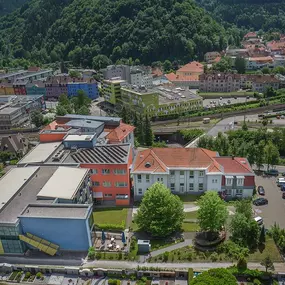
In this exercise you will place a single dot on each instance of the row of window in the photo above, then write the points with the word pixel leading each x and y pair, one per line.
pixel 229 181
pixel 109 184
pixel 191 173
pixel 182 187
pixel 111 195
pixel 108 171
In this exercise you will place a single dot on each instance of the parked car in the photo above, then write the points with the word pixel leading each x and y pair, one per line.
pixel 221 98
pixel 283 195
pixel 282 187
pixel 229 101
pixel 283 173
pixel 259 220
pixel 260 190
pixel 272 172
pixel 260 201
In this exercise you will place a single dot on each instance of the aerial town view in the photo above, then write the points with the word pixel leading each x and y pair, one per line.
pixel 142 142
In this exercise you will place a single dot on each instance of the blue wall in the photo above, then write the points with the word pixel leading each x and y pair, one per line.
pixel 90 89
pixel 34 90
pixel 80 144
pixel 69 234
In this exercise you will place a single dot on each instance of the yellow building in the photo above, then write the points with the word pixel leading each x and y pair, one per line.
pixel 112 90
pixel 192 68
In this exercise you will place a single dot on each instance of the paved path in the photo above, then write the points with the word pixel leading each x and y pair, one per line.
pixel 129 218
pixel 172 247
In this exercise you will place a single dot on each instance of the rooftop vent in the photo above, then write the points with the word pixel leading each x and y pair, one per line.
pixel 147 165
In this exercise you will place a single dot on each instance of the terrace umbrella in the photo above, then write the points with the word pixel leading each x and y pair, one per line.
pixel 103 236
pixel 123 238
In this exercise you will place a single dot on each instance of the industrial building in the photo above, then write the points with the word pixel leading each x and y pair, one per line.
pixel 40 212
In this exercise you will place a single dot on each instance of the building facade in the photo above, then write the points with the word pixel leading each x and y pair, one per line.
pixel 112 90
pixel 219 82
pixel 55 86
pixel 192 171
pixel 36 88
pixel 90 88
pixel 261 82
pixel 192 68
pixel 211 56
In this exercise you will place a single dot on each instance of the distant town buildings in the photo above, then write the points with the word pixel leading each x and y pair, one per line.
pixel 211 56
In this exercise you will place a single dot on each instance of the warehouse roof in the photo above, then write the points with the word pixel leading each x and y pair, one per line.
pixel 84 124
pixel 72 211
pixel 87 138
pixel 13 181
pixel 40 153
pixel 64 183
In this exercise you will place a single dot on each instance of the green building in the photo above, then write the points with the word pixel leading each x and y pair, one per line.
pixel 112 90
pixel 159 101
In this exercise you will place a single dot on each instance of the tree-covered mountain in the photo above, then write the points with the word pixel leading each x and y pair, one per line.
pixel 7 6
pixel 79 30
pixel 267 15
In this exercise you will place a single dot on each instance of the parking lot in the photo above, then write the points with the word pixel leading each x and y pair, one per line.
pixel 232 100
pixel 274 212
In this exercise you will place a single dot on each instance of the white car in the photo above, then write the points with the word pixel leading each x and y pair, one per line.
pixel 259 220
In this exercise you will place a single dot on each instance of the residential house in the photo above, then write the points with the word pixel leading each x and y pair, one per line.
pixel 254 63
pixel 89 87
pixel 16 144
pixel 276 47
pixel 190 81
pixel 219 82
pixel 192 171
pixel 36 88
pixel 250 35
pixel 7 89
pixel 55 86
pixel 192 68
pixel 20 87
pixel 211 56
pixel 261 82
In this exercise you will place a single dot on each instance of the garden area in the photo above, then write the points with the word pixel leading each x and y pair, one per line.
pixel 110 218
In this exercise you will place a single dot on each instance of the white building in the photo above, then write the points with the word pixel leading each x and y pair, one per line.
pixel 192 171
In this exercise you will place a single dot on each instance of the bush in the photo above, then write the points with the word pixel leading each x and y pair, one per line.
pixel 242 264
pixel 190 275
pixel 39 275
pixel 165 256
pixel 120 227
pixel 91 252
pixel 114 282
pixel 256 282
pixel 214 256
pixel 28 275
pixel 98 255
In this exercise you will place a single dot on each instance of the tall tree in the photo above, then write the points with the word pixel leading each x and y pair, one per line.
pixel 148 132
pixel 81 100
pixel 240 65
pixel 160 213
pixel 271 154
pixel 37 118
pixel 213 213
pixel 141 131
pixel 267 263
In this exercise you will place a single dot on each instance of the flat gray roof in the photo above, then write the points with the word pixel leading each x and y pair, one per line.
pixel 6 75
pixel 8 110
pixel 40 153
pixel 83 137
pixel 60 211
pixel 108 154
pixel 64 183
pixel 12 182
pixel 84 124
pixel 28 192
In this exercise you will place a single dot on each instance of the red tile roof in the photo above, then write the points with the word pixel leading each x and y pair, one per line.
pixel 217 59
pixel 175 77
pixel 193 66
pixel 237 165
pixel 262 59
pixel 119 133
pixel 250 35
pixel 157 72
pixel 159 159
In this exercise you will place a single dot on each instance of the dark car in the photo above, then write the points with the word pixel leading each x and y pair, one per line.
pixel 283 174
pixel 260 190
pixel 272 172
pixel 283 195
pixel 282 188
pixel 260 201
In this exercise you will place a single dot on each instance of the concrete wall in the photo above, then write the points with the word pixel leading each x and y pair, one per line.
pixel 69 234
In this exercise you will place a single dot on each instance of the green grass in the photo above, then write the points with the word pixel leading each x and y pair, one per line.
pixel 191 215
pixel 158 244
pixel 112 216
pixel 269 250
pixel 190 198
pixel 190 227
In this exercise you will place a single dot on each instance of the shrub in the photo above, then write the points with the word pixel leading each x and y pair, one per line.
pixel 112 226
pixel 190 275
pixel 256 282
pixel 39 275
pixel 98 255
pixel 91 252
pixel 165 256
pixel 28 275
pixel 214 256
pixel 114 282
pixel 242 264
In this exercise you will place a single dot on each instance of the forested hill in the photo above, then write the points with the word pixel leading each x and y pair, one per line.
pixel 251 14
pixel 7 6
pixel 79 30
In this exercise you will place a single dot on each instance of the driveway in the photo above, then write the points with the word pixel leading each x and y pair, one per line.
pixel 274 212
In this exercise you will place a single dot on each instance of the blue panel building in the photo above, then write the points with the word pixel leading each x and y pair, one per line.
pixel 89 88
pixel 80 141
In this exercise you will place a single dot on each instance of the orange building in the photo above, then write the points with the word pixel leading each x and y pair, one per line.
pixel 192 68
pixel 110 171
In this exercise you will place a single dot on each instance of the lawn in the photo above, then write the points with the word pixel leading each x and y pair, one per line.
pixel 189 198
pixel 191 215
pixel 158 244
pixel 269 250
pixel 110 218
pixel 190 227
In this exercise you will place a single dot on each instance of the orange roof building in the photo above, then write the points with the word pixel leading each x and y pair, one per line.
pixel 192 68
pixel 192 171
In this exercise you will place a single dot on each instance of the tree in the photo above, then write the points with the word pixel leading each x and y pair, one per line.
pixel 61 110
pixel 160 213
pixel 167 66
pixel 100 61
pixel 244 207
pixel 140 131
pixel 240 65
pixel 74 74
pixel 244 126
pixel 148 132
pixel 223 65
pixel 84 110
pixel 270 92
pixel 219 276
pixel 37 118
pixel 260 154
pixel 213 213
pixel 262 237
pixel 265 70
pixel 241 264
pixel 271 154
pixel 63 68
pixel 267 263
pixel 81 100
pixel 125 115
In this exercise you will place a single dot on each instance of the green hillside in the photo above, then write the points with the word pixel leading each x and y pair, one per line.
pixel 7 6
pixel 79 30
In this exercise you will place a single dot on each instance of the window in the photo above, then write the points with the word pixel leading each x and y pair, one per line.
pixel 121 184
pixel 240 181
pixel 106 183
pixel 96 183
pixel 172 186
pixel 172 172
pixel 201 173
pixel 160 179
pixel 139 178
pixel 229 192
pixel 182 187
pixel 191 175
pixel 140 191
pixel 214 180
pixel 201 186
pixel 105 171
pixel 191 186
pixel 94 171
pixel 119 171
pixel 229 181
pixel 147 178
pixel 239 192
pixel 181 173
pixel 107 195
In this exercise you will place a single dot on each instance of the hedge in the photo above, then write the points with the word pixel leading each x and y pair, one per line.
pixel 120 227
pixel 190 275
